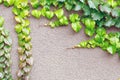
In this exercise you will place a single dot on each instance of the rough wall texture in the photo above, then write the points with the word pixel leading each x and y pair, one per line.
pixel 52 61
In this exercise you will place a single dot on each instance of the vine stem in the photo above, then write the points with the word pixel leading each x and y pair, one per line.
pixel 74 47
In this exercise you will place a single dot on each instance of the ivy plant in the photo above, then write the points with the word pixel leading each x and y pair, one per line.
pixel 96 15
pixel 5 48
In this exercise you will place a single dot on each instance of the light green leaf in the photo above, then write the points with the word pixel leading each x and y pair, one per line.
pixel 101 31
pixel 1 1
pixel 36 13
pixel 35 3
pixel 59 13
pixel 49 14
pixel 18 28
pixel 63 20
pixel 74 17
pixel 26 31
pixel 1 21
pixel 89 32
pixel 76 26
pixel 78 6
pixel 68 6
pixel 8 3
pixel 113 3
pixel 111 49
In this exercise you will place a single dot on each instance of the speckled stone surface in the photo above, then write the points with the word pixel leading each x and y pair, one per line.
pixel 52 59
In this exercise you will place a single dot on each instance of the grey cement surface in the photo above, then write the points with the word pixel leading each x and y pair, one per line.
pixel 52 61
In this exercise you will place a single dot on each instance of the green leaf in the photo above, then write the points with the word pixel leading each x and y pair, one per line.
pixel 21 3
pixel 89 23
pixel 114 40
pixel 8 41
pixel 74 17
pixel 16 11
pixel 100 23
pixel 24 13
pixel 105 8
pixel 59 13
pixel 97 15
pixel 28 46
pixel 54 24
pixel 89 32
pixel 35 3
pixel 21 43
pixel 112 3
pixel 8 3
pixel 49 14
pixel 2 59
pixel 104 45
pixel 43 2
pixel 83 44
pixel 18 28
pixel 1 45
pixel 5 33
pixel 1 39
pixel 90 26
pixel 110 22
pixel 43 11
pixel 1 21
pixel 86 10
pixel 68 6
pixel 19 19
pixel 111 49
pixel 36 13
pixel 101 31
pixel 63 20
pixel 28 39
pixel 1 1
pixel 26 31
pixel 115 12
pixel 25 23
pixel 78 6
pixel 76 26
pixel 99 39
pixel 2 53
pixel 91 4
pixel 7 49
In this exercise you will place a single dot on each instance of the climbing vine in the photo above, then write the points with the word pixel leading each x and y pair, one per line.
pixel 5 48
pixel 21 11
pixel 96 15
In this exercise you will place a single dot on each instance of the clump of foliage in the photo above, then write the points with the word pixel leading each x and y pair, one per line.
pixel 109 42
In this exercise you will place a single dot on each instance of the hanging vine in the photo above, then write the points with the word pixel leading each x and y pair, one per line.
pixel 5 48
pixel 21 11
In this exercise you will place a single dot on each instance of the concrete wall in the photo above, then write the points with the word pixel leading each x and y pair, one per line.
pixel 52 61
